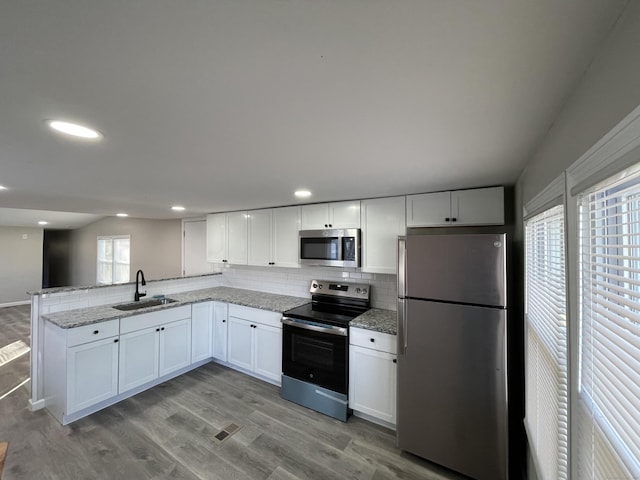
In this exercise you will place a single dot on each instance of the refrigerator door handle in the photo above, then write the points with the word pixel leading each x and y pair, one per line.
pixel 402 327
pixel 401 267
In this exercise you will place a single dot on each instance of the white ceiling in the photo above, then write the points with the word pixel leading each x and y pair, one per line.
pixel 230 104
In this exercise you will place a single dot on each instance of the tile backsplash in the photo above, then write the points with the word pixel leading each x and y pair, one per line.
pixel 296 281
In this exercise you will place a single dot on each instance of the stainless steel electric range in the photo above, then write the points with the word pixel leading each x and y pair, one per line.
pixel 315 347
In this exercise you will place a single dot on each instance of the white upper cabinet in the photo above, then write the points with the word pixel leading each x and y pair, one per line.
pixel 284 235
pixel 227 238
pixel 480 206
pixel 383 220
pixel 273 236
pixel 331 215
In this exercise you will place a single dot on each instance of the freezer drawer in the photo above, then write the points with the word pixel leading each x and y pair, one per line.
pixel 452 391
pixel 456 268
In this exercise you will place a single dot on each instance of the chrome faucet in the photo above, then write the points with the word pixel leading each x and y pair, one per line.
pixel 137 296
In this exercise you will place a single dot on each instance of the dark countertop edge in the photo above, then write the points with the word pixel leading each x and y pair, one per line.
pixel 91 287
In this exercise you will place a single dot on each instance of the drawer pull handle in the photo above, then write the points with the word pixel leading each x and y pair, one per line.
pixel 95 332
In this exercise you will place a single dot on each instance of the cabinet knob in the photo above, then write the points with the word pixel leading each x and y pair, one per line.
pixel 224 261
pixel 95 332
pixel 115 341
pixel 446 220
pixel 330 225
pixel 157 329
pixel 223 321
pixel 372 340
pixel 395 360
pixel 454 219
pixel 162 328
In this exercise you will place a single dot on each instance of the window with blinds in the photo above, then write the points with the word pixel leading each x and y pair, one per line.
pixel 608 404
pixel 113 259
pixel 546 336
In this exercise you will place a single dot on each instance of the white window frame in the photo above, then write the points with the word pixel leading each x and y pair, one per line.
pixel 114 262
pixel 546 333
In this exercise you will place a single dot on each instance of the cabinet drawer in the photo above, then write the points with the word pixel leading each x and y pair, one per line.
pixel 255 315
pixel 151 319
pixel 90 333
pixel 382 342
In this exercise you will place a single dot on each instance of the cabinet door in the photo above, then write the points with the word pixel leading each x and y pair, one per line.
pixel 138 358
pixel 383 220
pixel 92 373
pixel 372 383
pixel 216 237
pixel 237 238
pixel 259 228
pixel 315 217
pixel 201 331
pixel 480 206
pixel 284 245
pixel 175 346
pixel 429 209
pixel 220 331
pixel 268 352
pixel 344 214
pixel 239 343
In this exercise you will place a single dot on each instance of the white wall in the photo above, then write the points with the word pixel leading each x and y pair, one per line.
pixel 155 247
pixel 20 263
pixel 609 90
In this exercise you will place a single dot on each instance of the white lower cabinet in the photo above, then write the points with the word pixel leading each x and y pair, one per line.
pixel 80 366
pixel 201 331
pixel 372 375
pixel 220 327
pixel 92 373
pixel 153 345
pixel 254 342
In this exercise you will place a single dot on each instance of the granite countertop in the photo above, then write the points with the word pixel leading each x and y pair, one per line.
pixel 378 320
pixel 248 298
pixel 91 287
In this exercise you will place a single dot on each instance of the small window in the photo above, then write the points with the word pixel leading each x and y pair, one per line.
pixel 113 259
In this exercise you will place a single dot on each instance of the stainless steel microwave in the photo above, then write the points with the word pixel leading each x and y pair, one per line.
pixel 333 247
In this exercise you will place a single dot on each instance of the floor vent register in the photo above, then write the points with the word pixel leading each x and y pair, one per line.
pixel 226 433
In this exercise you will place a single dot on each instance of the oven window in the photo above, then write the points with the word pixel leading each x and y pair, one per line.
pixel 326 248
pixel 315 357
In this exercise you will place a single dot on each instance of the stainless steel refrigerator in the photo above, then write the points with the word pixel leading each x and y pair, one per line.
pixel 452 372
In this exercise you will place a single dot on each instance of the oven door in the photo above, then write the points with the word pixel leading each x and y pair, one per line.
pixel 316 353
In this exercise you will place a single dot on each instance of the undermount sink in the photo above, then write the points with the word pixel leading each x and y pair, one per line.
pixel 143 304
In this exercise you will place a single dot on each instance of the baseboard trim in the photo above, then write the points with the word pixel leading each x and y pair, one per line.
pixel 37 405
pixel 14 304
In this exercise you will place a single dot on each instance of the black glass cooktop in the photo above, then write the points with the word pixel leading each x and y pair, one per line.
pixel 320 313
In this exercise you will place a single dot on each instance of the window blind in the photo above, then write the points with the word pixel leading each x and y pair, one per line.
pixel 546 355
pixel 608 404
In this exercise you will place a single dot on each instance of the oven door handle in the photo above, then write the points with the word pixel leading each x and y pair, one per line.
pixel 330 329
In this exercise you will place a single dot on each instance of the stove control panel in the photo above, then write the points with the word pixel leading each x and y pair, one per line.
pixel 351 290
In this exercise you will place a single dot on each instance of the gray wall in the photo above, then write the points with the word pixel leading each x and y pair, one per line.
pixel 20 263
pixel 609 90
pixel 156 247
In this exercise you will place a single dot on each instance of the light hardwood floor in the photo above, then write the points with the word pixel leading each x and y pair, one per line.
pixel 168 432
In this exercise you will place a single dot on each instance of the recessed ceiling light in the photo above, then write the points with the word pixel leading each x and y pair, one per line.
pixel 302 193
pixel 74 129
pixel 42 222
pixel 177 208
pixel 122 214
